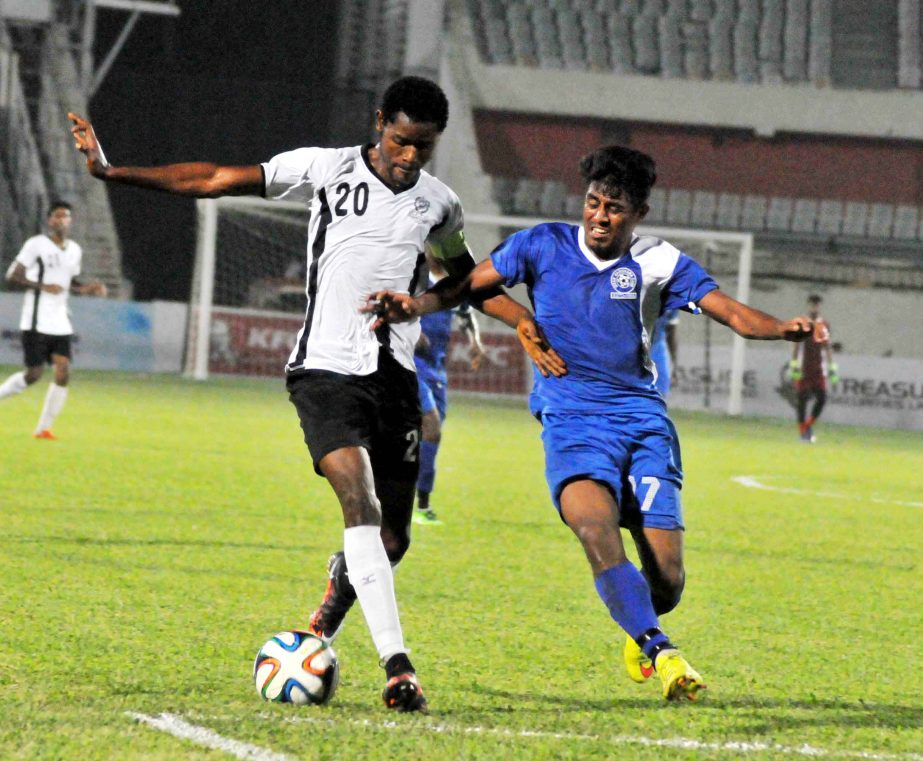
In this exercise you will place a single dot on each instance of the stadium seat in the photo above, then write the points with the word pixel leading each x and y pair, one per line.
pixel 830 217
pixel 594 40
pixel 908 43
pixel 695 43
pixel 779 214
pixel 621 55
pixel 704 206
pixel 753 213
pixel 573 206
pixel 671 46
pixel 795 41
pixel 658 204
pixel 679 206
pixel 881 220
pixel 905 222
pixel 746 66
pixel 503 190
pixel 721 47
pixel 820 42
pixel 855 219
pixel 553 199
pixel 527 196
pixel 728 213
pixel 804 217
pixel 644 36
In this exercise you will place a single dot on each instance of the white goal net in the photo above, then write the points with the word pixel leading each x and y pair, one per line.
pixel 248 303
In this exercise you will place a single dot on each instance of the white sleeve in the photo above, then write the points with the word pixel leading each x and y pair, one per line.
pixel 291 176
pixel 78 262
pixel 447 239
pixel 27 254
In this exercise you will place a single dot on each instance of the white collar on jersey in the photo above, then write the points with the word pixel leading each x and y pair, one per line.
pixel 600 264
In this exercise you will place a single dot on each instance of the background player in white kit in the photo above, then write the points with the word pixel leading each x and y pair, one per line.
pixel 373 211
pixel 47 267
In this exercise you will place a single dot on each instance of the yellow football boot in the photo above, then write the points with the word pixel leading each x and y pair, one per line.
pixel 637 664
pixel 679 679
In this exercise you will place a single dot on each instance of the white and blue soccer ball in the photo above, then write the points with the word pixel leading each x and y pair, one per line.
pixel 296 667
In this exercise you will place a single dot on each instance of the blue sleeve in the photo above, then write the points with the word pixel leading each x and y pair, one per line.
pixel 689 283
pixel 513 258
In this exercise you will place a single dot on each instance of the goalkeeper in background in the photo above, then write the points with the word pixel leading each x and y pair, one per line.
pixel 811 369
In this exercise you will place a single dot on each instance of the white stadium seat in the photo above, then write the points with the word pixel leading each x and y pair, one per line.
pixel 704 206
pixel 753 213
pixel 779 214
pixel 728 214
pixel 679 207
pixel 881 220
pixel 830 217
pixel 804 217
pixel 855 220
pixel 905 222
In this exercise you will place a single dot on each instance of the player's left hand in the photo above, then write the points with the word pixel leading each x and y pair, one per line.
pixel 477 357
pixel 546 359
pixel 389 306
pixel 87 143
pixel 797 329
pixel 97 288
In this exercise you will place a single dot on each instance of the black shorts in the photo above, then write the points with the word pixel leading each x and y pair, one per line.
pixel 380 412
pixel 38 347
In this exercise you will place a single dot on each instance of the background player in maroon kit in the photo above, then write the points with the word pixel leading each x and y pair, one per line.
pixel 812 368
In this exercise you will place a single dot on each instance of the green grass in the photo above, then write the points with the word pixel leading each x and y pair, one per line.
pixel 176 526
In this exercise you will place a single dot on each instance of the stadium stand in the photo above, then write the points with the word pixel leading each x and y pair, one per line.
pixel 750 41
pixel 39 84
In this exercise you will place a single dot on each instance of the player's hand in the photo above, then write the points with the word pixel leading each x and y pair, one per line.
pixel 797 329
pixel 52 288
pixel 86 142
pixel 97 288
pixel 389 306
pixel 477 357
pixel 539 350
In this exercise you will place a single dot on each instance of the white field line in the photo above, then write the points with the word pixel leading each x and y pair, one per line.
pixel 678 743
pixel 174 725
pixel 752 483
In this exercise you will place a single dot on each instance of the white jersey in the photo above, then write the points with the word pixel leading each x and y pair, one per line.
pixel 46 262
pixel 363 236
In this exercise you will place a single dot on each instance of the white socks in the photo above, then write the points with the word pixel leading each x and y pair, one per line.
pixel 15 384
pixel 54 402
pixel 371 576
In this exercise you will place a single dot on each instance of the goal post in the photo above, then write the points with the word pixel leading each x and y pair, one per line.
pixel 726 255
pixel 248 289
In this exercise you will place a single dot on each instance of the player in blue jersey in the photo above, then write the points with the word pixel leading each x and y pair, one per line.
pixel 612 455
pixel 663 349
pixel 429 358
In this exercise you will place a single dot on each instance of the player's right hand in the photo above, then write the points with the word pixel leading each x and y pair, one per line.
pixel 546 359
pixel 87 143
pixel 389 306
pixel 52 288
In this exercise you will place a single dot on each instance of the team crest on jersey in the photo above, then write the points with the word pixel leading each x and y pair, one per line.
pixel 420 207
pixel 623 282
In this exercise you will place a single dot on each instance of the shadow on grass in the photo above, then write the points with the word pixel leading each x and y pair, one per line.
pixel 772 713
pixel 154 542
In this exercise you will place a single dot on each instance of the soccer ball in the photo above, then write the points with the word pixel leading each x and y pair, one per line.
pixel 296 667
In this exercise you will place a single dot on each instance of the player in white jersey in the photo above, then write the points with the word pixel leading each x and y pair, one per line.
pixel 373 211
pixel 47 267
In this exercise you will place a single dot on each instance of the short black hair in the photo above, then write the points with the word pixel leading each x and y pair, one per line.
pixel 814 299
pixel 421 99
pixel 617 168
pixel 58 204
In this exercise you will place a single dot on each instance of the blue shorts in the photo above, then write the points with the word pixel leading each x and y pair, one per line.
pixel 635 454
pixel 432 395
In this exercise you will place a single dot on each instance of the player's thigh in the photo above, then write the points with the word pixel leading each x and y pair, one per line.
pixel 395 446
pixel 36 350
pixel 651 488
pixel 579 447
pixel 335 411
pixel 590 509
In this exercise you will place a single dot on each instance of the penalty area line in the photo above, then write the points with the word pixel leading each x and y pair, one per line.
pixel 751 482
pixel 174 725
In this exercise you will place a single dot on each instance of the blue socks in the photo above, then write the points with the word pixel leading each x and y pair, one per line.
pixel 427 477
pixel 628 597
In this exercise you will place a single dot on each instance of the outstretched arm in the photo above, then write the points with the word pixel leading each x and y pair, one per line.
pixel 197 179
pixel 752 323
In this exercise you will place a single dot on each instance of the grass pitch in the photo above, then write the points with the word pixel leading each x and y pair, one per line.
pixel 175 526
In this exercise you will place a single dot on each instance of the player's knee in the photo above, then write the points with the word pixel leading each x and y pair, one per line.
pixel 32 375
pixel 396 544
pixel 667 593
pixel 360 508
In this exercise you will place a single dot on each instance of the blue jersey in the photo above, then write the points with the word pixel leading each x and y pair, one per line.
pixel 599 315
pixel 437 327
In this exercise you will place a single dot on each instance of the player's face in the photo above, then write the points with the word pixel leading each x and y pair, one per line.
pixel 813 309
pixel 609 221
pixel 404 149
pixel 59 221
